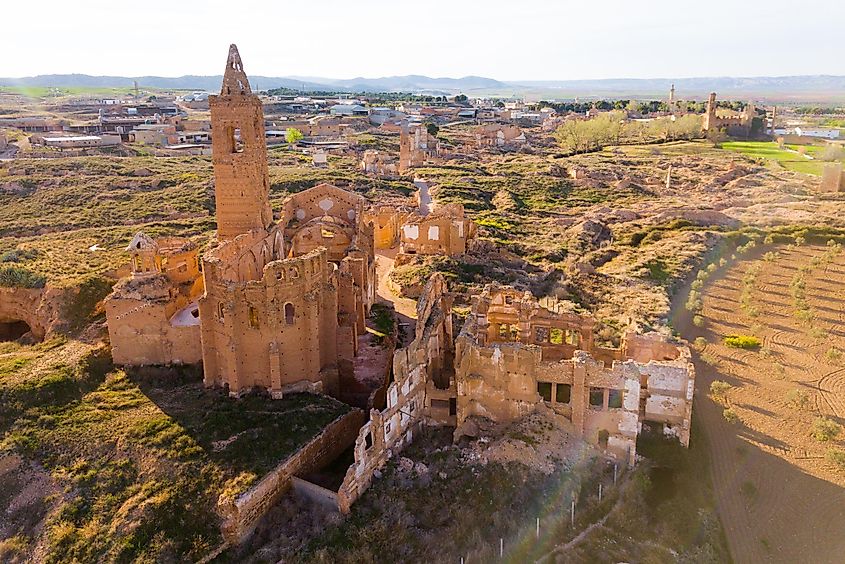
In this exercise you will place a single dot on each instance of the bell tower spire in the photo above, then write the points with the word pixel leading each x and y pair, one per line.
pixel 239 154
pixel 234 79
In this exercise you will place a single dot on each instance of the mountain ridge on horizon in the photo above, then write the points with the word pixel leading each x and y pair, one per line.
pixel 421 84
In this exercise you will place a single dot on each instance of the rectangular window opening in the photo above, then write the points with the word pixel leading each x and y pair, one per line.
pixel 614 399
pixel 596 397
pixel 563 393
pixel 545 390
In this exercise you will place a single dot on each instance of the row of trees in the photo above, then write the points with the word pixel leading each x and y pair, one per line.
pixel 582 136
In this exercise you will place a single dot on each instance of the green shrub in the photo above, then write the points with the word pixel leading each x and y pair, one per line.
pixel 837 458
pixel 698 321
pixel 825 429
pixel 797 398
pixel 748 489
pixel 700 343
pixel 18 255
pixel 17 277
pixel 833 355
pixel 719 389
pixel 730 415
pixel 747 342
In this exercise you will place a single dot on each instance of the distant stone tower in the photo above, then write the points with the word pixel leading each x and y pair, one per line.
pixel 710 115
pixel 239 154
pixel 671 97
pixel 404 148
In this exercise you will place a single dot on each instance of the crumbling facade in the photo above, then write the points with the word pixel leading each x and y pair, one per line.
pixel 739 125
pixel 512 354
pixel 424 229
pixel 416 146
pixel 379 164
pixel 443 231
pixel 496 135
pixel 153 316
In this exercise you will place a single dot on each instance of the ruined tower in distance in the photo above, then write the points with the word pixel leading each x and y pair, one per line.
pixel 239 154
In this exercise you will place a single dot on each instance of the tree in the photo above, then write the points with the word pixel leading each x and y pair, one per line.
pixel 432 129
pixel 461 98
pixel 292 135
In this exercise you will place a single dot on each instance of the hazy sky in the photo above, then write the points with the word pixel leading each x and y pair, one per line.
pixel 525 39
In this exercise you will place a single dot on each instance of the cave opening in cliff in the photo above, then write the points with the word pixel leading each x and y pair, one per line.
pixel 13 330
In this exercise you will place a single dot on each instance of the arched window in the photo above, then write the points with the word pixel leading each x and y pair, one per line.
pixel 289 313
pixel 220 311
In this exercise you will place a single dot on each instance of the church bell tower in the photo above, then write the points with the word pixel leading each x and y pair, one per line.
pixel 239 154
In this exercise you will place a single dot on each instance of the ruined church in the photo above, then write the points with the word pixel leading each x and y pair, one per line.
pixel 279 304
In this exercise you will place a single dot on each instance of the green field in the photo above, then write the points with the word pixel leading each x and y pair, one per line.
pixel 769 150
pixel 61 91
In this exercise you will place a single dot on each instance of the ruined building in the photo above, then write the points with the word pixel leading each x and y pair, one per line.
pixel 419 394
pixel 512 354
pixel 736 125
pixel 416 146
pixel 285 302
pixel 424 229
pixel 445 230
pixel 278 306
pixel 152 316
pixel 379 164
pixel 502 136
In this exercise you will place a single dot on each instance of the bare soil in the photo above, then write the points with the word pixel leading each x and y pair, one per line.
pixel 779 499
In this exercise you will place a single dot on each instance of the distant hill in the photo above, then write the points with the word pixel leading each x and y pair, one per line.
pixel 798 87
pixel 699 86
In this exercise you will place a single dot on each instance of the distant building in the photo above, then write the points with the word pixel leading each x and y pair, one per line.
pixel 348 110
pixel 78 141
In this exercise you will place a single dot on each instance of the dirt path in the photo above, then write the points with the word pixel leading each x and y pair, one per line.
pixel 384 264
pixel 778 498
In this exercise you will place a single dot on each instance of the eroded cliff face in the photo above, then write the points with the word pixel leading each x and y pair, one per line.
pixel 40 309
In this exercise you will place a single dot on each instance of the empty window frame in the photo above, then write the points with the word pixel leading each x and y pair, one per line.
pixel 563 393
pixel 545 390
pixel 596 397
pixel 614 398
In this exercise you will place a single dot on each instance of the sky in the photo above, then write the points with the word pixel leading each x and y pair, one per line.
pixel 505 40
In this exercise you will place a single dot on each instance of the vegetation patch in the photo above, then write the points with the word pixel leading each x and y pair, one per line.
pixel 748 342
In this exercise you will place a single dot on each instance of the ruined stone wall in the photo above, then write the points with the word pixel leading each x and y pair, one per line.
pixel 833 178
pixel 389 430
pixel 242 514
pixel 375 163
pixel 274 332
pixel 152 316
pixel 506 363
pixel 386 221
pixel 496 135
pixel 142 330
pixel 443 233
